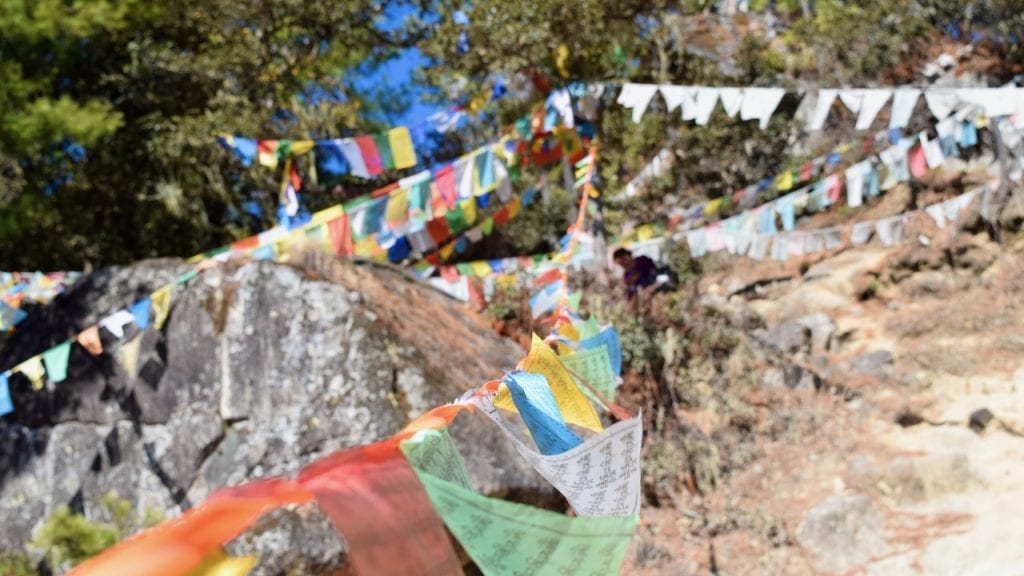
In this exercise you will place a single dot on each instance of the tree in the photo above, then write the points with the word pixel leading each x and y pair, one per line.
pixel 109 112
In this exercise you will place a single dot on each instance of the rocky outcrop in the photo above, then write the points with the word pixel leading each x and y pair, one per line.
pixel 261 369
pixel 842 532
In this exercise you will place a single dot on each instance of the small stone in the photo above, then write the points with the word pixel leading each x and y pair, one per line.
pixel 980 419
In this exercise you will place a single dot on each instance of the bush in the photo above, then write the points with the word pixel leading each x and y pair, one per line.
pixel 15 564
pixel 70 538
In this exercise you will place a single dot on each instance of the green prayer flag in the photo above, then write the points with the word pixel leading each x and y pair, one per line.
pixel 594 366
pixel 487 226
pixel 588 329
pixel 184 278
pixel 523 127
pixel 434 452
pixel 507 538
pixel 56 361
pixel 574 300
pixel 387 160
pixel 456 219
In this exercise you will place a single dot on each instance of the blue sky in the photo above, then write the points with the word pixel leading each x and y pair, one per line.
pixel 395 76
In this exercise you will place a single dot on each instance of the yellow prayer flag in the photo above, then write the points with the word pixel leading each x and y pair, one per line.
pixel 481 268
pixel 220 564
pixel 447 250
pixel 365 247
pixel 712 207
pixel 327 215
pixel 161 303
pixel 574 406
pixel 401 147
pixel 34 370
pixel 302 146
pixel 562 60
pixel 569 331
pixel 397 211
pixel 513 207
pixel 645 232
pixel 130 356
pixel 469 210
pixel 784 181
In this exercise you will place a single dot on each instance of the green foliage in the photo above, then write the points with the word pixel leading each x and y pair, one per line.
pixel 70 538
pixel 144 86
pixel 852 43
pixel 505 303
pixel 538 227
pixel 15 564
pixel 686 268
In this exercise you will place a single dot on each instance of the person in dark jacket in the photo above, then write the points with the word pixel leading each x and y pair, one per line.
pixel 640 271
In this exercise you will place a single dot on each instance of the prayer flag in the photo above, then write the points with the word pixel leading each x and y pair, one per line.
pixel 33 370
pixel 56 361
pixel 368 152
pixel 140 313
pixel 6 406
pixel 383 143
pixel 90 340
pixel 536 404
pixel 401 148
pixel 574 405
pixel 397 211
pixel 161 301
pixel 506 538
pixel 332 158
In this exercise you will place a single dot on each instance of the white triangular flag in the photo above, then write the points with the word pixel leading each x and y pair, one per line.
pixel 116 322
pixel 822 107
pixel 903 102
pixel 732 100
pixel 637 97
pixel 871 104
pixel 760 103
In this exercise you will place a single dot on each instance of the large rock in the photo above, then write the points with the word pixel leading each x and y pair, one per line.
pixel 261 369
pixel 822 328
pixel 789 336
pixel 842 532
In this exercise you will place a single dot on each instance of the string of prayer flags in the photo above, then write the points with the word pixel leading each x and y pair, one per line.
pixel 697 103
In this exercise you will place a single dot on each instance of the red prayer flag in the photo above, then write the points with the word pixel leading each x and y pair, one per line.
pixel 340 235
pixel 446 185
pixel 371 158
pixel 805 171
pixel 501 217
pixel 376 501
pixel 918 162
pixel 553 275
pixel 438 230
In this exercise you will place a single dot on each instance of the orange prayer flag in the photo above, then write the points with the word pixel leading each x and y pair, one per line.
pixel 90 340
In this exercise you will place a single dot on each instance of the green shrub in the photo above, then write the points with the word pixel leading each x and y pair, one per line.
pixel 72 538
pixel 15 564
